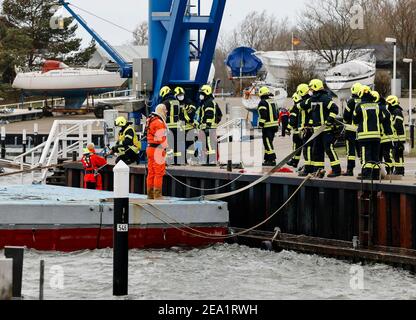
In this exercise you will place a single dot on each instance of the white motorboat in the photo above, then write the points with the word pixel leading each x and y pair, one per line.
pixel 341 78
pixel 277 63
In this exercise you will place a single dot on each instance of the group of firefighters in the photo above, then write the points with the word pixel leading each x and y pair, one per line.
pixel 178 115
pixel 374 130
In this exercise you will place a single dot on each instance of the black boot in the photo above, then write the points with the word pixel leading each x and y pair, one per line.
pixel 293 163
pixel 348 173
pixel 334 174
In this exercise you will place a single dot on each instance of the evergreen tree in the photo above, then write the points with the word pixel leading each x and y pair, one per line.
pixel 32 20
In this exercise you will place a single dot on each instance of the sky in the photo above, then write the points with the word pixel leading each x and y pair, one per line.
pixel 128 13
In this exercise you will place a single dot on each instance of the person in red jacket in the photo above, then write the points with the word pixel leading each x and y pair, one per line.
pixel 92 163
pixel 284 115
pixel 157 131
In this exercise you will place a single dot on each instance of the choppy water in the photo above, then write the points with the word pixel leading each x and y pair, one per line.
pixel 217 272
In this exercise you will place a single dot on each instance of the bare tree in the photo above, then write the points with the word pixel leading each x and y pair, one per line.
pixel 260 31
pixel 141 34
pixel 325 27
pixel 300 71
pixel 400 16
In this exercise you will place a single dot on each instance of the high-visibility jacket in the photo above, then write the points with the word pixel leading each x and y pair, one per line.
pixel 188 114
pixel 173 118
pixel 398 123
pixel 349 112
pixel 304 118
pixel 323 110
pixel 157 131
pixel 208 114
pixel 127 139
pixel 369 119
pixel 294 118
pixel 268 114
pixel 386 130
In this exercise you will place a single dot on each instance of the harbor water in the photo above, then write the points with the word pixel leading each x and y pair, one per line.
pixel 218 272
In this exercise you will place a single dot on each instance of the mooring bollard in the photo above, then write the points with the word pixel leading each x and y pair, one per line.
pixel 24 142
pixel 121 229
pixel 41 279
pixel 3 142
pixel 16 253
pixel 6 279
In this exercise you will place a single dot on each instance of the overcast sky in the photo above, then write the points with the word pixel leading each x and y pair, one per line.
pixel 128 13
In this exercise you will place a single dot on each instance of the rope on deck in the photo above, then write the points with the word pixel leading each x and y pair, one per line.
pixel 200 234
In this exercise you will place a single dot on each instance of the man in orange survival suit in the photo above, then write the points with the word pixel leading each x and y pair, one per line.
pixel 157 131
pixel 92 163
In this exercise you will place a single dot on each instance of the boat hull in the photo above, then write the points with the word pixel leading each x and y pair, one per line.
pixel 72 239
pixel 71 219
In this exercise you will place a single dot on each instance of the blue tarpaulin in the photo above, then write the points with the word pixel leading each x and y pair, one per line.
pixel 243 58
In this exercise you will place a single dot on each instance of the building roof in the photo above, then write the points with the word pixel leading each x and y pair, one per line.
pixel 129 52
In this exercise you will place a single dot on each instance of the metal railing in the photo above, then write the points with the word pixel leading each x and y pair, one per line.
pixel 40 104
pixel 59 144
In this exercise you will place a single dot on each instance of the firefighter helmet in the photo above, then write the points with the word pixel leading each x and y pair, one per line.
pixel 120 122
pixel 302 89
pixel 164 91
pixel 264 91
pixel 179 91
pixel 206 90
pixel 364 90
pixel 296 97
pixel 316 85
pixel 376 96
pixel 356 88
pixel 392 100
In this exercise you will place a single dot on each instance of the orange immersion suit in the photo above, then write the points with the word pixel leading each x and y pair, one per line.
pixel 92 162
pixel 156 152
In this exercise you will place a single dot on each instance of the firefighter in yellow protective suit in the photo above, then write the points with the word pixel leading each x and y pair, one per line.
pixel 210 116
pixel 268 122
pixel 399 134
pixel 175 126
pixel 128 144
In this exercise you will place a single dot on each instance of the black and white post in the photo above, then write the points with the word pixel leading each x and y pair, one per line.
pixel 24 143
pixel 121 229
pixel 3 142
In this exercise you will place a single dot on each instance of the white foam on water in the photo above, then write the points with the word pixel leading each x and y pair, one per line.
pixel 218 272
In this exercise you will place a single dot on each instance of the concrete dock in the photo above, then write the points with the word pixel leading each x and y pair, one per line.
pixel 69 219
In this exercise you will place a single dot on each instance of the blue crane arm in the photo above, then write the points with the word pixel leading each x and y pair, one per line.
pixel 126 69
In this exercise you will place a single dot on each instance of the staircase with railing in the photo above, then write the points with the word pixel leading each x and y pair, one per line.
pixel 65 137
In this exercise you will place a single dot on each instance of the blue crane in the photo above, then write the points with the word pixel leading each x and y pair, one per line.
pixel 126 69
pixel 170 24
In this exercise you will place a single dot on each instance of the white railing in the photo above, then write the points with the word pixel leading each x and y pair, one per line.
pixel 38 104
pixel 236 128
pixel 114 94
pixel 58 143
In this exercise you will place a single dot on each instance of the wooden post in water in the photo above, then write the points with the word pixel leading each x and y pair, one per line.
pixel 6 279
pixel 121 229
pixel 16 253
pixel 41 279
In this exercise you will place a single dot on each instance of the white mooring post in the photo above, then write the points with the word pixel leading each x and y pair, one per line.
pixel 121 229
pixel 6 279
